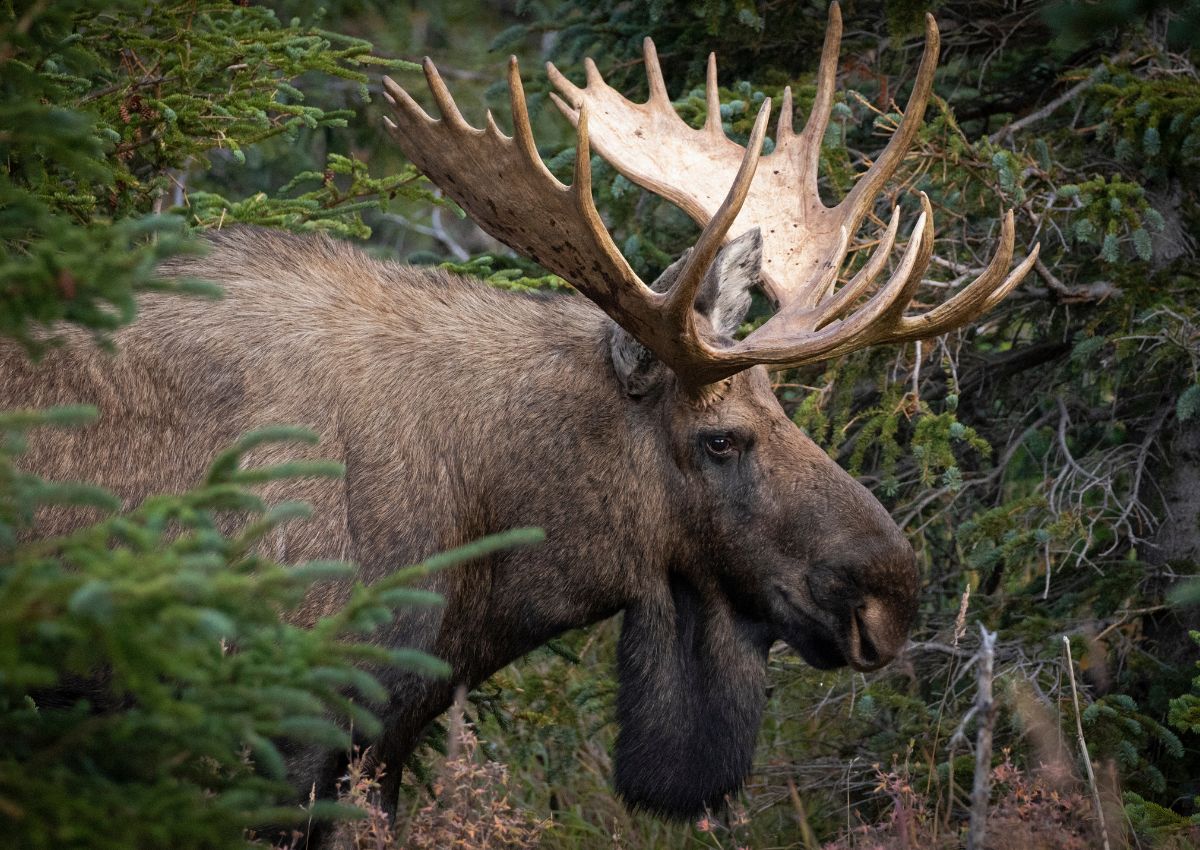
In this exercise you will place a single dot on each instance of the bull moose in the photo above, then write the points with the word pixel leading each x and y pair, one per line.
pixel 632 425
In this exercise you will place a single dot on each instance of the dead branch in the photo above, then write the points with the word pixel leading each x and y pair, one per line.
pixel 1087 759
pixel 1097 291
pixel 985 708
pixel 1046 111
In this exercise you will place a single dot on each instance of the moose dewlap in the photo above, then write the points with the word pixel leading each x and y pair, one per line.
pixel 630 425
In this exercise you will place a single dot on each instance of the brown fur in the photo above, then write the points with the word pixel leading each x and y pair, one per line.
pixel 460 410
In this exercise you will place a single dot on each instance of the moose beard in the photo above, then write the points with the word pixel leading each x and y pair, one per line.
pixel 692 691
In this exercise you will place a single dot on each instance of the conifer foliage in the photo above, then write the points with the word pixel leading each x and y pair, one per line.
pixel 104 111
pixel 148 671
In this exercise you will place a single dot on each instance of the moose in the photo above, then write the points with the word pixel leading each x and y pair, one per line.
pixel 632 424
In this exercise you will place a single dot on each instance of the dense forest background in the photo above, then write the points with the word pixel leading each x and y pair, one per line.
pixel 1045 462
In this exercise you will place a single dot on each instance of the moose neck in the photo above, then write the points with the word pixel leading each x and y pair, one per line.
pixel 466 411
pixel 506 410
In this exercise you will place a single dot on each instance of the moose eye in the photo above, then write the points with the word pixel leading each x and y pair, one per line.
pixel 719 445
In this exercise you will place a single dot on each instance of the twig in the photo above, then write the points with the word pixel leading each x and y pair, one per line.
pixel 1045 112
pixel 147 82
pixel 1125 617
pixel 438 232
pixel 981 790
pixel 806 832
pixel 916 372
pixel 934 646
pixel 442 235
pixel 1064 420
pixel 457 724
pixel 849 767
pixel 1096 291
pixel 1087 759
pixel 1049 567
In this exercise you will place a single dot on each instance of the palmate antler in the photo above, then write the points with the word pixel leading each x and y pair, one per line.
pixel 507 189
pixel 509 192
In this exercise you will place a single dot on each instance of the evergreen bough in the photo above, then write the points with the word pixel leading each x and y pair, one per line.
pixel 150 670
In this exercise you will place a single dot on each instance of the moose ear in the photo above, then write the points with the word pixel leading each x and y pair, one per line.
pixel 724 298
pixel 724 295
pixel 692 690
pixel 638 370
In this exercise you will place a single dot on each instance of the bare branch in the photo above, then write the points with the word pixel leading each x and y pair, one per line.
pixel 1083 748
pixel 985 708
pixel 1097 291
pixel 1046 111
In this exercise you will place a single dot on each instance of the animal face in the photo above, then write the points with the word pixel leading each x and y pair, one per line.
pixel 793 539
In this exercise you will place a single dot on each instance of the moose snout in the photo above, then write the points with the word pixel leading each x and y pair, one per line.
pixel 870 607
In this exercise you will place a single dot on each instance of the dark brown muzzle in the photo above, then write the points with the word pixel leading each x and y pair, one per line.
pixel 869 603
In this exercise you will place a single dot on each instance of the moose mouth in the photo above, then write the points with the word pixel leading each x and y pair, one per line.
pixel 812 639
pixel 823 647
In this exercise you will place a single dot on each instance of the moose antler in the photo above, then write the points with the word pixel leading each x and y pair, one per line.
pixel 508 190
pixel 804 241
pixel 503 183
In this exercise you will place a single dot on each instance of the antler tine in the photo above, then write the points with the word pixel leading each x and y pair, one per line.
pixel 859 198
pixel 401 102
pixel 924 253
pixel 813 133
pixel 895 294
pixel 682 294
pixel 712 97
pixel 862 280
pixel 654 74
pixel 784 133
pixel 1013 279
pixel 581 180
pixel 564 85
pixel 441 95
pixel 863 327
pixel 522 130
pixel 591 72
pixel 568 111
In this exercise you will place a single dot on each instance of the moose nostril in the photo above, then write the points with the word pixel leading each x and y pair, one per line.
pixel 865 654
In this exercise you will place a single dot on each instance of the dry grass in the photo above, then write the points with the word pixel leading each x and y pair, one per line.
pixel 466 808
pixel 469 808
pixel 360 788
pixel 1028 812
